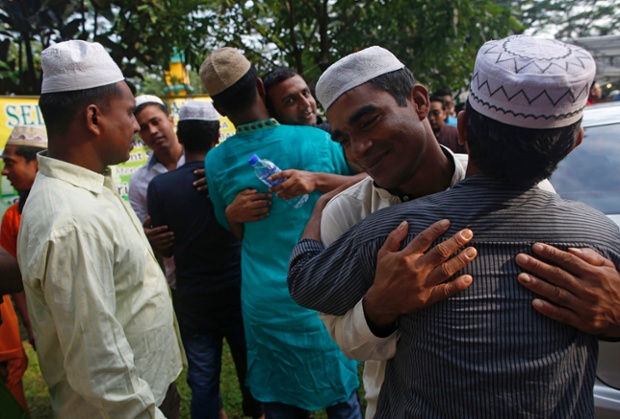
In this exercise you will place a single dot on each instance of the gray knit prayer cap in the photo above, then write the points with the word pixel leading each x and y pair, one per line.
pixel 353 70
pixel 77 65
pixel 531 82
pixel 198 110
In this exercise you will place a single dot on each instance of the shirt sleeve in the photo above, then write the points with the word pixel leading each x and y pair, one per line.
pixel 79 289
pixel 154 207
pixel 331 280
pixel 137 195
pixel 352 334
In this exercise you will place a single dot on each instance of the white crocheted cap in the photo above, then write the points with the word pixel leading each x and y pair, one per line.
pixel 77 65
pixel 198 110
pixel 531 82
pixel 353 70
pixel 144 99
pixel 31 136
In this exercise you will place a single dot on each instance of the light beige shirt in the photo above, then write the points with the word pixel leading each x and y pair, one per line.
pixel 107 339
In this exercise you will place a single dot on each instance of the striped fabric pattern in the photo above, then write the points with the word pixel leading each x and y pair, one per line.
pixel 485 352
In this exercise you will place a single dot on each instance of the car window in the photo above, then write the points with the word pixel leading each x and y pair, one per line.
pixel 591 173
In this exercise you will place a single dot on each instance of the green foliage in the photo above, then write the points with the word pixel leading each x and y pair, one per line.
pixel 570 19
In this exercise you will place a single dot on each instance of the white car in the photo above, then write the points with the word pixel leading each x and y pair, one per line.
pixel 591 174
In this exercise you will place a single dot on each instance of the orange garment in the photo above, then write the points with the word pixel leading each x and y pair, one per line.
pixel 11 348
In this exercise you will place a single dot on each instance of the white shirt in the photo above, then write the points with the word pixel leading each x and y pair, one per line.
pixel 107 339
pixel 351 331
pixel 138 186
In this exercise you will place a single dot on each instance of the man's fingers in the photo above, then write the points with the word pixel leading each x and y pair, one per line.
pixel 448 268
pixel 157 231
pixel 147 222
pixel 591 256
pixel 444 250
pixel 560 314
pixel 549 273
pixel 395 238
pixel 568 261
pixel 447 290
pixel 425 238
pixel 552 293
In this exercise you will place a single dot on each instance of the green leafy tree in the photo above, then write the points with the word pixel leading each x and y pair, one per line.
pixel 570 19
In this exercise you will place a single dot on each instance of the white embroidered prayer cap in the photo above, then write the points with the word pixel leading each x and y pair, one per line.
pixel 77 65
pixel 30 136
pixel 353 70
pixel 531 82
pixel 146 99
pixel 198 110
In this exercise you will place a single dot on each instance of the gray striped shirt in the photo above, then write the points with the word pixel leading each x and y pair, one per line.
pixel 484 352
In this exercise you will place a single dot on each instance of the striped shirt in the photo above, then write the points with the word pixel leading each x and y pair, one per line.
pixel 484 352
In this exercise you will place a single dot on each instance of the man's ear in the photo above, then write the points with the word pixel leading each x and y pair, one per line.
pixel 94 119
pixel 260 88
pixel 419 97
pixel 461 127
pixel 218 109
pixel 579 139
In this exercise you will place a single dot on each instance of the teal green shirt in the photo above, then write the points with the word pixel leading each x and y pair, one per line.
pixel 291 357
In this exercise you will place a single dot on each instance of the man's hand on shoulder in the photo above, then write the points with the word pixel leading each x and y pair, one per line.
pixel 411 279
pixel 580 288
pixel 248 206
pixel 201 183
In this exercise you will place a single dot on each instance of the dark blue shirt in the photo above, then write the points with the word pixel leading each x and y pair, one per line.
pixel 207 256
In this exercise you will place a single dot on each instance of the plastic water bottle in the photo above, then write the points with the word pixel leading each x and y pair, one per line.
pixel 265 168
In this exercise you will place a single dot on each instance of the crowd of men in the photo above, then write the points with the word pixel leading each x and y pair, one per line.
pixel 434 251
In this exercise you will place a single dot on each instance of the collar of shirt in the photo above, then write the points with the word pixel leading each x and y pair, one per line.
pixel 73 174
pixel 257 125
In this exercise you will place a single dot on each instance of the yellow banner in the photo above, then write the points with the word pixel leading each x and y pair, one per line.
pixel 24 110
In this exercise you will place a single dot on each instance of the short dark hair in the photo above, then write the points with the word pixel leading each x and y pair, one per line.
pixel 443 92
pixel 397 83
pixel 164 107
pixel 520 155
pixel 60 108
pixel 240 96
pixel 29 153
pixel 435 98
pixel 273 78
pixel 198 136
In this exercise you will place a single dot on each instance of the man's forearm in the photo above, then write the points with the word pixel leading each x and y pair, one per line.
pixel 10 277
pixel 326 182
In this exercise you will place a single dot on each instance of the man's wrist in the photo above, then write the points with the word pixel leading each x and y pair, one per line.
pixel 380 324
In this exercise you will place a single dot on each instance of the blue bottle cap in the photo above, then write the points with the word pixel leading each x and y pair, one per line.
pixel 253 159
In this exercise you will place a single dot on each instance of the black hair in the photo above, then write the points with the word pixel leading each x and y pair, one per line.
pixel 164 107
pixel 443 92
pixel 240 96
pixel 519 155
pixel 29 153
pixel 60 108
pixel 198 136
pixel 273 78
pixel 439 99
pixel 397 83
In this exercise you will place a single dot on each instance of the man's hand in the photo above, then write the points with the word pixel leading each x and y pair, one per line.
pixel 298 182
pixel 160 238
pixel 248 206
pixel 583 290
pixel 201 183
pixel 411 279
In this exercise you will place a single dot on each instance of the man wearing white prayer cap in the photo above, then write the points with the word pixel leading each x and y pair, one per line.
pixel 208 266
pixel 453 340
pixel 100 307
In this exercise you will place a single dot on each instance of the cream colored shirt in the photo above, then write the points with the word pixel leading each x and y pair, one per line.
pixel 107 339
pixel 351 331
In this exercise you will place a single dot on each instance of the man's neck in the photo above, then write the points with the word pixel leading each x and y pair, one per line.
pixel 170 157
pixel 253 114
pixel 190 157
